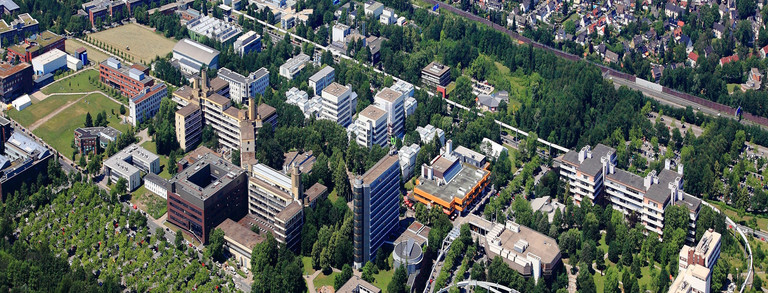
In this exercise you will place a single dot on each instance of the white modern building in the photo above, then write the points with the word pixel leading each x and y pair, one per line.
pixel 293 66
pixel 388 17
pixel 310 107
pixel 248 42
pixel 373 8
pixel 49 62
pixel 371 127
pixel 339 103
pixel 428 133
pixel 214 29
pixel 129 163
pixel 157 185
pixel 145 105
pixel 321 79
pixel 22 102
pixel 410 106
pixel 404 87
pixel 339 33
pixel 242 88
pixel 696 265
pixel 73 63
pixel 392 102
pixel 407 156
pixel 192 56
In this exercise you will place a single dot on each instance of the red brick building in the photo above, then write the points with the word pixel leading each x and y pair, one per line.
pixel 36 45
pixel 129 80
pixel 15 80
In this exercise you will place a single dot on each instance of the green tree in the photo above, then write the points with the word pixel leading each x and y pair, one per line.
pixel 122 109
pixel 179 240
pixel 368 272
pixel 215 248
pixel 462 93
pixel 399 280
pixel 88 120
pixel 611 281
pixel 236 157
pixel 340 279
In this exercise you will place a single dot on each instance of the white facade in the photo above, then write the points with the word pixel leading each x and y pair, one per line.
pixel 338 101
pixel 49 62
pixel 407 156
pixel 146 104
pixel 321 79
pixel 293 66
pixel 214 28
pixel 339 33
pixel 410 106
pixel 242 88
pixel 310 107
pixel 21 102
pixel 371 127
pixel 404 87
pixel 129 163
pixel 248 42
pixel 373 8
pixel 392 102
pixel 73 63
pixel 428 133
pixel 388 16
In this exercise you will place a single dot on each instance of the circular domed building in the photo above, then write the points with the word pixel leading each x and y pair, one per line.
pixel 409 254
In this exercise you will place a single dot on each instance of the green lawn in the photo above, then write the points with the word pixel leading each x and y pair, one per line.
pixel 149 202
pixel 152 147
pixel 732 87
pixel 382 279
pixel 59 130
pixel 76 84
pixel 307 261
pixel 333 195
pixel 323 280
pixel 41 109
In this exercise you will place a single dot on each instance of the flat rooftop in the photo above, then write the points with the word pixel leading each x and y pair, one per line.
pixel 539 244
pixel 240 234
pixel 335 89
pixel 372 112
pixel 467 178
pixel 205 177
pixel 389 95
pixel 374 172
pixel 591 165
pixel 436 69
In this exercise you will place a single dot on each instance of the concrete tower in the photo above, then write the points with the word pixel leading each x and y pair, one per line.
pixel 358 194
pixel 296 188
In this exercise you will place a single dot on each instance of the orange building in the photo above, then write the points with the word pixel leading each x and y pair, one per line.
pixel 449 183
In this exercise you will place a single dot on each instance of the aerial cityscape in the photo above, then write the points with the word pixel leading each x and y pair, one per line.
pixel 547 146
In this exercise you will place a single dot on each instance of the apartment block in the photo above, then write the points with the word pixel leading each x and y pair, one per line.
pixel 392 102
pixel 371 127
pixel 407 156
pixel 338 104
pixel 293 66
pixel 242 88
pixel 247 43
pixel 376 205
pixel 15 80
pixel 277 201
pixel 205 194
pixel 583 171
pixel 646 197
pixel 436 74
pixel 321 79
pixel 129 163
pixel 696 265
pixel 145 105
pixel 35 45
pixel 189 126
pixel 130 81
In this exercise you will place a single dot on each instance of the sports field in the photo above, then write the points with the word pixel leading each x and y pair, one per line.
pixel 139 42
pixel 59 130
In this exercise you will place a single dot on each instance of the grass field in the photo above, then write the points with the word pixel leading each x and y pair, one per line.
pixel 149 202
pixel 732 87
pixel 152 147
pixel 307 261
pixel 59 130
pixel 94 56
pixel 40 109
pixel 382 279
pixel 76 84
pixel 323 280
pixel 143 44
